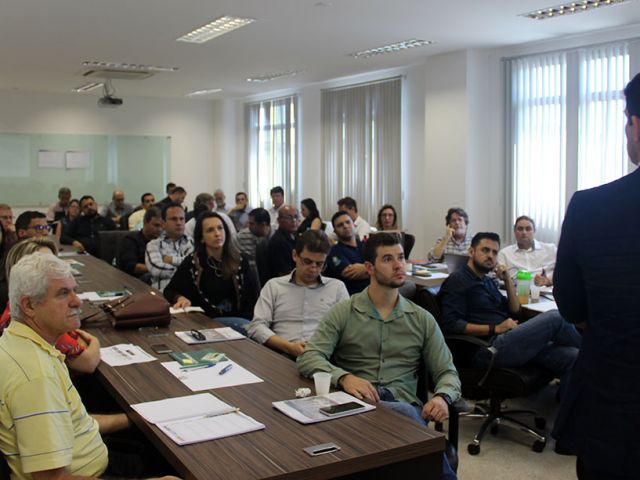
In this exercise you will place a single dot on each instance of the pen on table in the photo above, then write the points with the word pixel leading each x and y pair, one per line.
pixel 225 369
pixel 196 367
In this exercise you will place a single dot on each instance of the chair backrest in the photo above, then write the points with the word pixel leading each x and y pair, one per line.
pixel 108 242
pixel 4 468
pixel 429 302
pixel 409 242
pixel 262 262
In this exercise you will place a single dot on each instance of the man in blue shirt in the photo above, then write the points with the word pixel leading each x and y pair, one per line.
pixel 345 261
pixel 472 305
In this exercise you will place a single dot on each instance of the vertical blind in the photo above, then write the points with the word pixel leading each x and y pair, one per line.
pixel 361 146
pixel 566 127
pixel 272 150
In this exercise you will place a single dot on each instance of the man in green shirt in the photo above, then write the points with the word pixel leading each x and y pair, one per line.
pixel 377 340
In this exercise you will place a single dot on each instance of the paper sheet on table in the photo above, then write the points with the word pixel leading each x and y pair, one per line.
pixel 542 306
pixel 95 297
pixel 124 354
pixel 209 378
pixel 174 311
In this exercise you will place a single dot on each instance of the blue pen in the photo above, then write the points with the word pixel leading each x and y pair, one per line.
pixel 225 369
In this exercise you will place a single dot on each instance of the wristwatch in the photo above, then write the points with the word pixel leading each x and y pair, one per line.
pixel 445 397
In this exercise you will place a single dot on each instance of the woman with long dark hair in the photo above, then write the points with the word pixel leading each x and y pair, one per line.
pixel 387 220
pixel 215 276
pixel 312 220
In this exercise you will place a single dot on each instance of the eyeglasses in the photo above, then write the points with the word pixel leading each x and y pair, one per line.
pixel 290 218
pixel 197 335
pixel 39 228
pixel 307 262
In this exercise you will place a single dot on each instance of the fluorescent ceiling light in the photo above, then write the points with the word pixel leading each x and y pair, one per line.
pixel 391 48
pixel 87 87
pixel 128 66
pixel 214 29
pixel 203 92
pixel 569 8
pixel 272 76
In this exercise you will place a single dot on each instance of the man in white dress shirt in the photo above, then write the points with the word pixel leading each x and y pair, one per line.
pixel 349 206
pixel 529 254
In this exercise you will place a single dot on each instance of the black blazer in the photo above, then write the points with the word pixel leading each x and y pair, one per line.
pixel 597 281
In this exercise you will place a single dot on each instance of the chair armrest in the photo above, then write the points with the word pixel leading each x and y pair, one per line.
pixel 481 344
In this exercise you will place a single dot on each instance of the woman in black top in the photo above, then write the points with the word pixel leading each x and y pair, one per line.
pixel 215 276
pixel 312 220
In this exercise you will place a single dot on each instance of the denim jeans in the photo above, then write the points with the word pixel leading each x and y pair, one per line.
pixel 414 412
pixel 239 324
pixel 546 340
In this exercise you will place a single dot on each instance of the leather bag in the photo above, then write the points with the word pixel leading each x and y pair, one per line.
pixel 144 309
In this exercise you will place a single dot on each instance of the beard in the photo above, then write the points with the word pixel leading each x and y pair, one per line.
pixel 481 267
pixel 391 283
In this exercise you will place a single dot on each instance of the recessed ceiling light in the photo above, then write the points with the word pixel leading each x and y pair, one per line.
pixel 87 87
pixel 391 48
pixel 214 29
pixel 569 8
pixel 128 66
pixel 272 76
pixel 203 92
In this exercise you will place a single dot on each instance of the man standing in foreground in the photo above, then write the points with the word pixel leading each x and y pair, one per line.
pixel 45 431
pixel 596 278
pixel 378 339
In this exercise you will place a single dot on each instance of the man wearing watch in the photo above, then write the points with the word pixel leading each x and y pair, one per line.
pixel 472 305
pixel 377 340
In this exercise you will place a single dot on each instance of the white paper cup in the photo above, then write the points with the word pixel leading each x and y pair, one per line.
pixel 322 381
pixel 535 292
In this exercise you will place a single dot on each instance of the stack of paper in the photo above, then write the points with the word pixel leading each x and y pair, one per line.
pixel 196 418
pixel 198 379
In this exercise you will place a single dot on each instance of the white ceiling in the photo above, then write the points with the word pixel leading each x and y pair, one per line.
pixel 44 42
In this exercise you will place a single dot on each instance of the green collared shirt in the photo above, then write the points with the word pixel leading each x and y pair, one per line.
pixel 385 352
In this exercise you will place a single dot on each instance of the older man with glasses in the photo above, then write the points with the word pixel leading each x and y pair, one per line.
pixel 290 307
pixel 282 242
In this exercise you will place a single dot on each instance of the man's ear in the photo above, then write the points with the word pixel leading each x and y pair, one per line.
pixel 368 266
pixel 634 128
pixel 294 255
pixel 26 305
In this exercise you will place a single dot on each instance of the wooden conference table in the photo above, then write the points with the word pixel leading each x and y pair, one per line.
pixel 379 444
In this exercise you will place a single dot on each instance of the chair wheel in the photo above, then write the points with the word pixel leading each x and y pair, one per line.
pixel 494 430
pixel 538 446
pixel 473 449
pixel 540 422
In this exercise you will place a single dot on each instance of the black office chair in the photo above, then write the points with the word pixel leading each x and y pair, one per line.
pixel 495 384
pixel 108 243
pixel 262 262
pixel 408 241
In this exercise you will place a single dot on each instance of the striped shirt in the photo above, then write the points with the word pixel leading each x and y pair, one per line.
pixel 158 248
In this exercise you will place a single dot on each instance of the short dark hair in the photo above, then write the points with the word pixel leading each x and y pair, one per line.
pixel 202 199
pixel 145 195
pixel 151 213
pixel 337 215
pixel 241 193
pixel 24 219
pixel 178 190
pixel 314 241
pixel 168 206
pixel 260 215
pixel 375 240
pixel 276 190
pixel 460 212
pixel 527 218
pixel 484 236
pixel 86 197
pixel 349 203
pixel 169 188
pixel 632 95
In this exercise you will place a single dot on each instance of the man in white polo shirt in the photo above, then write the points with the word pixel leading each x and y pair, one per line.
pixel 291 306
pixel 528 253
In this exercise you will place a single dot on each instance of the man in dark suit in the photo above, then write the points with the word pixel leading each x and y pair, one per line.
pixel 596 279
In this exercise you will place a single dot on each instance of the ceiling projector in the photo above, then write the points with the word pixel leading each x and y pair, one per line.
pixel 109 101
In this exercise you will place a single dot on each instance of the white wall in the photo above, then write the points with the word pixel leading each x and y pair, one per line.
pixel 190 124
